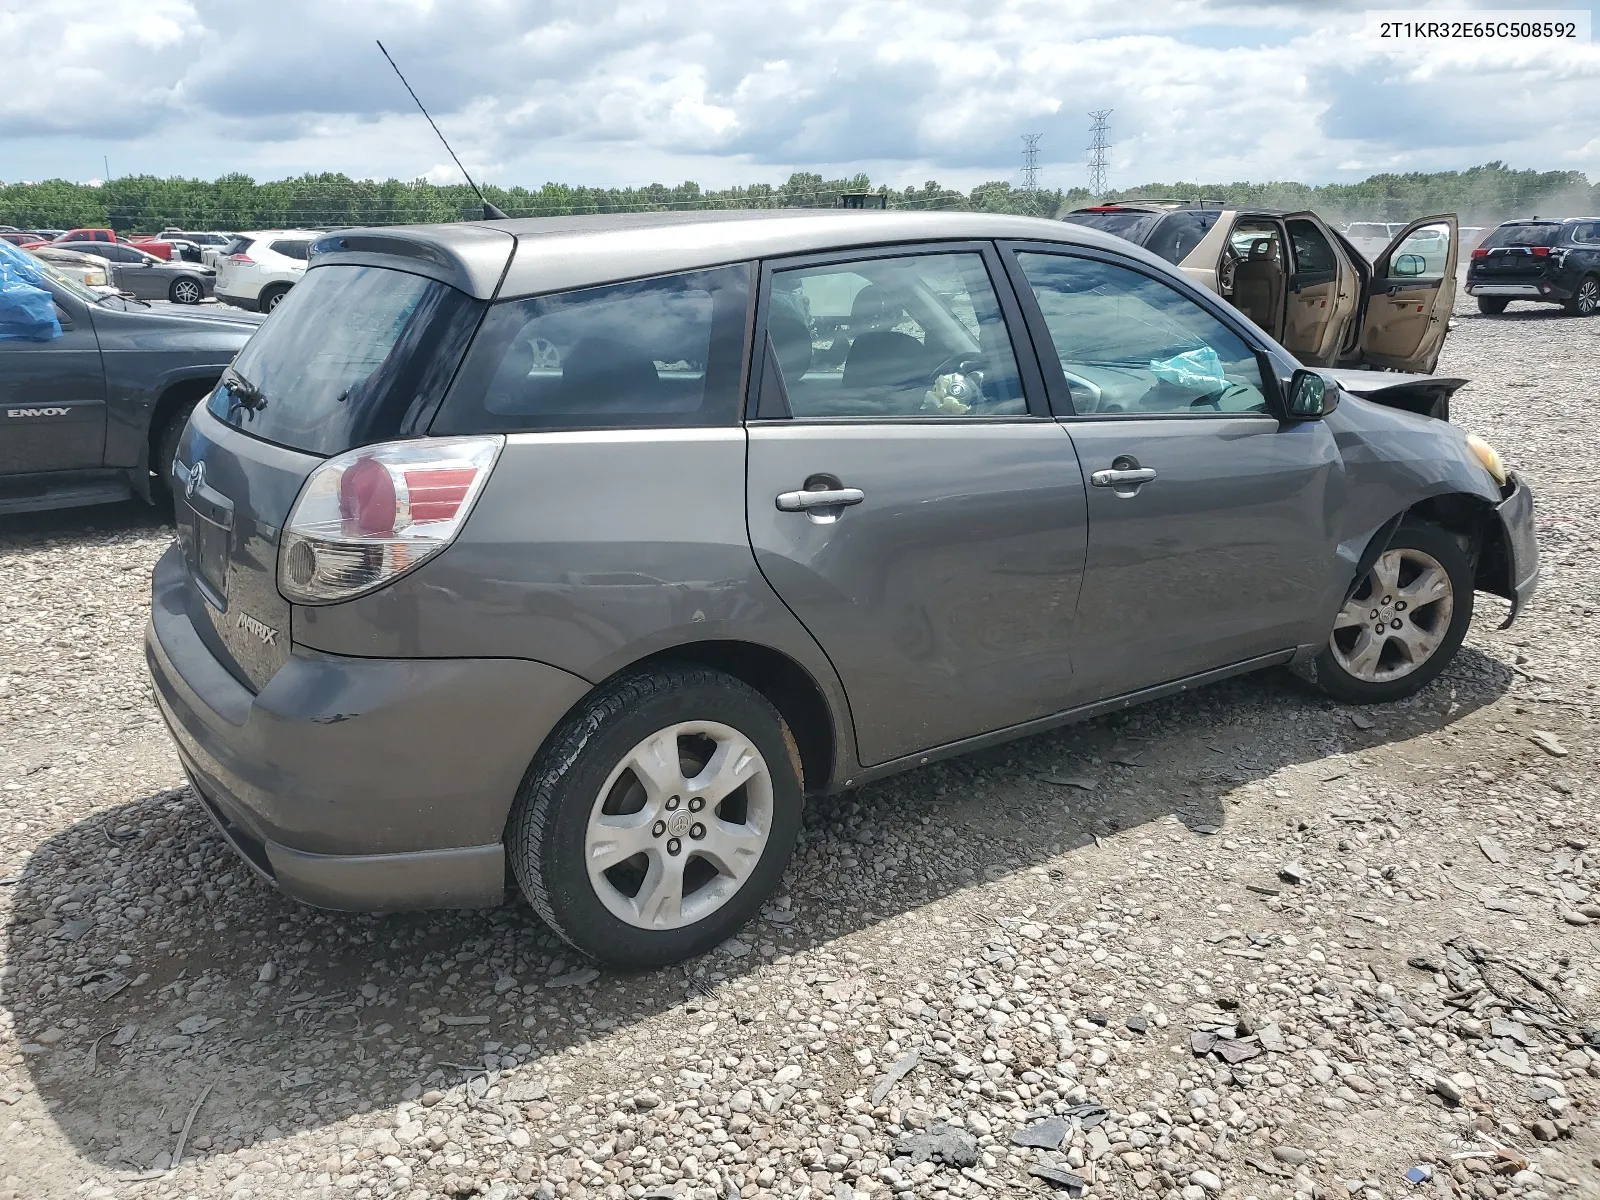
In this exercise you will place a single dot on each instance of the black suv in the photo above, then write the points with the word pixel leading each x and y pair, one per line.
pixel 1549 262
pixel 96 388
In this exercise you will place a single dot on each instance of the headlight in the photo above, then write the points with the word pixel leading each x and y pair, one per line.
pixel 1488 456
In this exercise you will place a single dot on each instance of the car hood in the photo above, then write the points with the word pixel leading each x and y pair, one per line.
pixel 204 318
pixel 1426 395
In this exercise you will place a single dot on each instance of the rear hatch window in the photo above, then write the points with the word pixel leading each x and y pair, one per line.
pixel 1130 223
pixel 1523 235
pixel 353 355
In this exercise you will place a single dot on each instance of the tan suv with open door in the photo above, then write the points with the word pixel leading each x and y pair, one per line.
pixel 1303 282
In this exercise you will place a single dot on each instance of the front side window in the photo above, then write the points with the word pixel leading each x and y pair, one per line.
pixel 1424 254
pixel 917 336
pixel 658 352
pixel 1131 345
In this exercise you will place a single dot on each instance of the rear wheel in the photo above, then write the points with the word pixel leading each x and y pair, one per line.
pixel 1492 306
pixel 186 291
pixel 272 296
pixel 1404 623
pixel 1585 302
pixel 658 817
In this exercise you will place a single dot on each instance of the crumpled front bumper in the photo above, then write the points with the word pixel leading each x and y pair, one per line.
pixel 1515 514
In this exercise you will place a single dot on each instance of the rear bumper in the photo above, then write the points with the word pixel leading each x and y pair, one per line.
pixel 1544 290
pixel 237 298
pixel 1515 514
pixel 355 783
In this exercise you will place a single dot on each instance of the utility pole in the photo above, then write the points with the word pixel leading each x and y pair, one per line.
pixel 1099 152
pixel 1030 162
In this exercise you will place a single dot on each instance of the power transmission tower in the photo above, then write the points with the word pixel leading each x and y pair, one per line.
pixel 1099 152
pixel 1030 162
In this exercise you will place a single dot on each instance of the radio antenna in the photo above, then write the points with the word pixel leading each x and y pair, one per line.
pixel 490 212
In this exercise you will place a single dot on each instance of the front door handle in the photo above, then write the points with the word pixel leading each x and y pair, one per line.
pixel 1122 477
pixel 824 498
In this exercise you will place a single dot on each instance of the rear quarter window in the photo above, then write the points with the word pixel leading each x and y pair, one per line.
pixel 652 353
pixel 297 248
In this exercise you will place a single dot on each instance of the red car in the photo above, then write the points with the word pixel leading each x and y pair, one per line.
pixel 74 238
pixel 25 240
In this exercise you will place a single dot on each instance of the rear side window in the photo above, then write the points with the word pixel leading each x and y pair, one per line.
pixel 658 352
pixel 1312 254
pixel 1586 232
pixel 297 248
pixel 1523 235
pixel 1180 232
pixel 353 355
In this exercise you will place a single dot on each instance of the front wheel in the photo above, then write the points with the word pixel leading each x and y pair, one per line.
pixel 1585 302
pixel 1492 306
pixel 1404 623
pixel 658 817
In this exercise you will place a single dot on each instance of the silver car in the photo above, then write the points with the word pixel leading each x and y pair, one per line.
pixel 147 277
pixel 587 548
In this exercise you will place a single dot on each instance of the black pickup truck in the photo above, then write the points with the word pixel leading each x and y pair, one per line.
pixel 1548 262
pixel 91 406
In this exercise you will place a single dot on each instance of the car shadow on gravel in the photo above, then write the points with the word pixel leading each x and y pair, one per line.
pixel 147 965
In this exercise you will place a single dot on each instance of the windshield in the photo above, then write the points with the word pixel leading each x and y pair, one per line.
pixel 352 355
pixel 1546 234
pixel 1129 223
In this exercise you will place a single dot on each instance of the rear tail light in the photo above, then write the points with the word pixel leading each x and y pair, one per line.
pixel 1480 253
pixel 367 517
pixel 240 258
pixel 1541 251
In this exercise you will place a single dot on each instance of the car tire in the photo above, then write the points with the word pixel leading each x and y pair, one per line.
pixel 165 451
pixel 605 783
pixel 271 297
pixel 1492 306
pixel 1585 301
pixel 1420 636
pixel 186 290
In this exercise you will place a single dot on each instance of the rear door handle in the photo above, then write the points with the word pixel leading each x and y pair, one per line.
pixel 1122 478
pixel 826 498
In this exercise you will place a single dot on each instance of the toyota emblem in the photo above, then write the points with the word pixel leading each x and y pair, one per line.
pixel 197 476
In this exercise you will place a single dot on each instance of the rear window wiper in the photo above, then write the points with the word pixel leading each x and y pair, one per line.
pixel 242 394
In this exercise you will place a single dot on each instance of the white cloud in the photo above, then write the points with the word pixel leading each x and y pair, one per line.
pixel 626 91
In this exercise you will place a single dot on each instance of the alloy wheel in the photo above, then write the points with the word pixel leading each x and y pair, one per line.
pixel 186 291
pixel 1588 297
pixel 1396 620
pixel 679 825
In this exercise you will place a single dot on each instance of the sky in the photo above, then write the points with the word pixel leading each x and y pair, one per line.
pixel 617 92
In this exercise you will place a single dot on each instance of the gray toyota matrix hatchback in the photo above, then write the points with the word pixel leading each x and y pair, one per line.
pixel 587 547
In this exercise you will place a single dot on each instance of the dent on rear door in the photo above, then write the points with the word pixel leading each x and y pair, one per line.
pixel 587 551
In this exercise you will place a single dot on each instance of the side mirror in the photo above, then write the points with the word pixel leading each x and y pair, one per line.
pixel 1409 266
pixel 1311 396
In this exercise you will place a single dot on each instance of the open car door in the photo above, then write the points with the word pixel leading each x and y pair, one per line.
pixel 1409 300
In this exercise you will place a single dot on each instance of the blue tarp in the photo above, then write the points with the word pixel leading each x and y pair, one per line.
pixel 27 309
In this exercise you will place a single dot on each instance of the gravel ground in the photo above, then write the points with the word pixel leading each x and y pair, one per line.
pixel 1239 943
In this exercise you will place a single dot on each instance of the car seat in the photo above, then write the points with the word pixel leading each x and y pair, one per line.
pixel 1258 285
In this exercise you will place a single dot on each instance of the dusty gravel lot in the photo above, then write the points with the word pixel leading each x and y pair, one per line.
pixel 1241 943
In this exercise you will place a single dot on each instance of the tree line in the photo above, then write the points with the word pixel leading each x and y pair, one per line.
pixel 146 203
